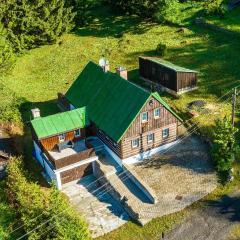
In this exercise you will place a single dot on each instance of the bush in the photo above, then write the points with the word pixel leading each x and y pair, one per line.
pixel 168 11
pixel 215 7
pixel 45 210
pixel 161 49
pixel 225 147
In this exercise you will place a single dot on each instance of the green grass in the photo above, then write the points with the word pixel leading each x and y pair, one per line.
pixel 230 21
pixel 41 73
pixel 7 215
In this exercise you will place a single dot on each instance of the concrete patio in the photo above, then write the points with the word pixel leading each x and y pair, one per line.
pixel 100 210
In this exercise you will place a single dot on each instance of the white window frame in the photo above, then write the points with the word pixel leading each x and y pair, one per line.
pixel 151 140
pixel 77 134
pixel 157 116
pixel 164 135
pixel 133 143
pixel 61 137
pixel 144 120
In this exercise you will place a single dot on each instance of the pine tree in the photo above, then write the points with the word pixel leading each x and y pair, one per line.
pixel 31 23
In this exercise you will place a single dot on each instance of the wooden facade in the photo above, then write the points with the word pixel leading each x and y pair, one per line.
pixel 168 78
pixel 139 130
pixel 50 142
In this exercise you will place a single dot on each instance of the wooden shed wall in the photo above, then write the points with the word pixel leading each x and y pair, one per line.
pixel 186 80
pixel 51 142
pixel 166 77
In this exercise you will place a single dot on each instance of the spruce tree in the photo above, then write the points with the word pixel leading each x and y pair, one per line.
pixel 31 23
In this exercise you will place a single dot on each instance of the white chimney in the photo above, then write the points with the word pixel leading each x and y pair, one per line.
pixel 104 64
pixel 122 71
pixel 36 113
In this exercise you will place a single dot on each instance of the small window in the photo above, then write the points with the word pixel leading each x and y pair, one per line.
pixel 100 131
pixel 165 132
pixel 157 113
pixel 107 138
pixel 150 137
pixel 77 133
pixel 144 117
pixel 135 143
pixel 114 144
pixel 61 137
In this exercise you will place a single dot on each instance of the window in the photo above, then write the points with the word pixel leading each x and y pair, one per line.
pixel 61 137
pixel 165 132
pixel 150 137
pixel 77 133
pixel 107 138
pixel 135 143
pixel 157 113
pixel 144 117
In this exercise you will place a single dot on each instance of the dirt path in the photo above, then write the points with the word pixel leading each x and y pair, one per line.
pixel 211 223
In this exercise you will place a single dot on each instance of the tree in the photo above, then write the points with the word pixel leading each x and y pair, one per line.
pixel 31 23
pixel 214 7
pixel 168 11
pixel 6 51
pixel 46 211
pixel 143 8
pixel 224 145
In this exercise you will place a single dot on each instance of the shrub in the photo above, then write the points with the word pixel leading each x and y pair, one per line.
pixel 47 211
pixel 168 11
pixel 161 49
pixel 225 147
pixel 215 7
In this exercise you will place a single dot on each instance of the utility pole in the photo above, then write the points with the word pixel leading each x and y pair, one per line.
pixel 234 98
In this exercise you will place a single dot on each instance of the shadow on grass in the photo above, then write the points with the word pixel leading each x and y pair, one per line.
pixel 24 142
pixel 105 23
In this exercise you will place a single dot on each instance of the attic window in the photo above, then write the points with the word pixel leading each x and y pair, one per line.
pixel 157 113
pixel 144 117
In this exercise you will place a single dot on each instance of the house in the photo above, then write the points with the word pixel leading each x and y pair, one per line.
pixel 169 77
pixel 131 122
pixel 60 145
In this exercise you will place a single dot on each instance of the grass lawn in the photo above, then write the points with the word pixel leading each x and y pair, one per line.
pixel 230 21
pixel 7 215
pixel 41 73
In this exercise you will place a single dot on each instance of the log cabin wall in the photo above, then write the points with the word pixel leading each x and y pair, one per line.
pixel 115 147
pixel 128 151
pixel 51 142
pixel 141 130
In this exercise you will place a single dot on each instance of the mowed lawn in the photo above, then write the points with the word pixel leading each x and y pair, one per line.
pixel 41 73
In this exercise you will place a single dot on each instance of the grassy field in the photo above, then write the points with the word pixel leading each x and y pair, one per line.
pixel 41 73
pixel 230 21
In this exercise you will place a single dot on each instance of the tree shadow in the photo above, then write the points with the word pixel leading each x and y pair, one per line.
pixel 227 206
pixel 104 23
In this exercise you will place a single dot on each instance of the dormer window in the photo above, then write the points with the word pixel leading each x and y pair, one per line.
pixel 157 113
pixel 77 133
pixel 144 117
pixel 61 137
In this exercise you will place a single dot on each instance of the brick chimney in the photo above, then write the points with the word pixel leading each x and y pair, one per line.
pixel 122 71
pixel 36 113
pixel 104 64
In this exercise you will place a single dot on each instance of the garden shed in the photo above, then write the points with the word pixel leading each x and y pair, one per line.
pixel 170 77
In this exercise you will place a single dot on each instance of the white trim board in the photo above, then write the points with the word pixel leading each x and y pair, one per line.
pixel 141 156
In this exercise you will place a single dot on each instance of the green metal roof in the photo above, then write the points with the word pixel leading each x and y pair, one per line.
pixel 112 102
pixel 170 65
pixel 59 123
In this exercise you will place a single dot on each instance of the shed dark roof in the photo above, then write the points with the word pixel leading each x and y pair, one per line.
pixel 112 102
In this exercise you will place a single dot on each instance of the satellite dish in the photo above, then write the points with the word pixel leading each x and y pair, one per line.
pixel 102 62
